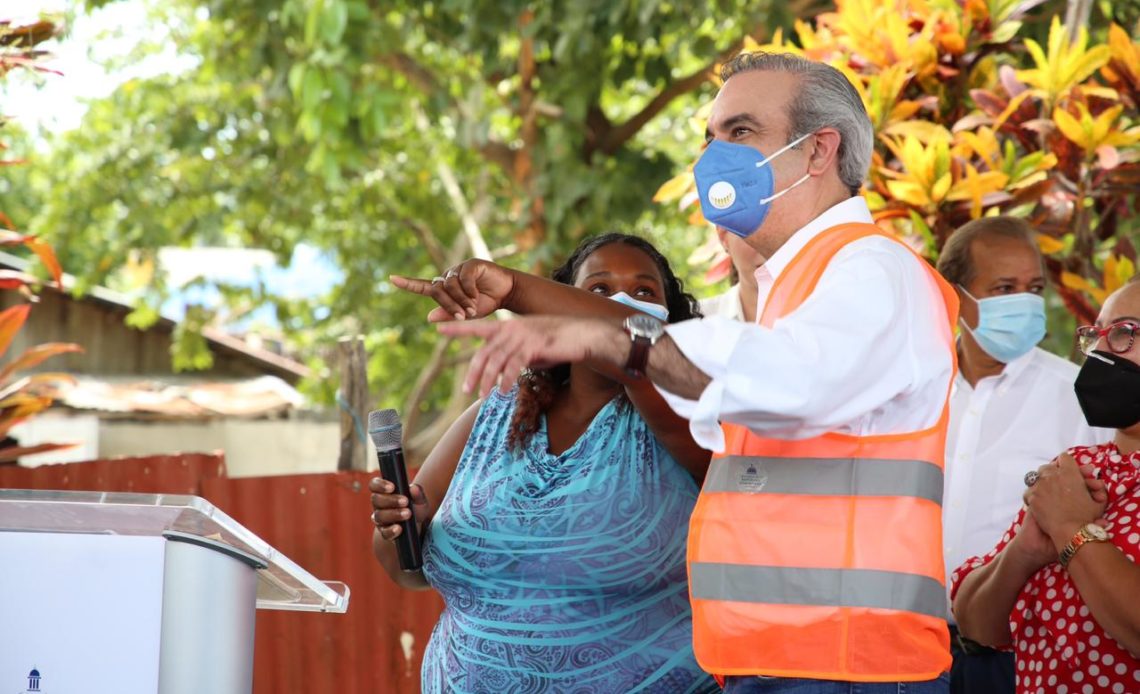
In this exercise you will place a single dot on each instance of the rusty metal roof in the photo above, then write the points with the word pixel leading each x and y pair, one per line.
pixel 218 339
pixel 265 396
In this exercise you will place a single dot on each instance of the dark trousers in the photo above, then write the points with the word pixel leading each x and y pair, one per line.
pixel 978 669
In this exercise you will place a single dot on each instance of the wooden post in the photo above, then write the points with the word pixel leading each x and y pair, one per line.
pixel 352 399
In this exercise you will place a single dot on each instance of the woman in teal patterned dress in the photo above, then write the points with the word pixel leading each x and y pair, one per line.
pixel 556 519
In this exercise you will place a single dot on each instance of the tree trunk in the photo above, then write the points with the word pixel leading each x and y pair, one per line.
pixel 353 401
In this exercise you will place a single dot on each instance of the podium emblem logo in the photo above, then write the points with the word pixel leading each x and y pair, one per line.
pixel 34 678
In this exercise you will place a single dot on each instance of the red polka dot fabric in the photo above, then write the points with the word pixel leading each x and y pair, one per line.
pixel 1060 648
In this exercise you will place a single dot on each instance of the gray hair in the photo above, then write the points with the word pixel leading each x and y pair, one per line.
pixel 826 99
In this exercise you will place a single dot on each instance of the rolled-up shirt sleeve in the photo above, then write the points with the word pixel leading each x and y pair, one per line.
pixel 849 349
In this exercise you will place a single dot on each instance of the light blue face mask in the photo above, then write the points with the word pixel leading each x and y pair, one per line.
pixel 658 311
pixel 1008 326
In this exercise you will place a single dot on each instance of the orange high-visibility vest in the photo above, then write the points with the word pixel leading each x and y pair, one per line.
pixel 822 558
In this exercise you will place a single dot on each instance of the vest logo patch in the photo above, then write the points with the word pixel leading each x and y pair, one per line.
pixel 751 478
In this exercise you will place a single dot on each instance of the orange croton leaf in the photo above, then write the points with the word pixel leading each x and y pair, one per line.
pixel 1075 281
pixel 7 455
pixel 11 320
pixel 36 356
pixel 1049 245
pixel 47 257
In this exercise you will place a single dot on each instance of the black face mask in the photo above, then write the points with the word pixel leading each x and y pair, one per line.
pixel 1108 391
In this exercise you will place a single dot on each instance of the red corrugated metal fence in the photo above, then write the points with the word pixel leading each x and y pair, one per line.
pixel 319 521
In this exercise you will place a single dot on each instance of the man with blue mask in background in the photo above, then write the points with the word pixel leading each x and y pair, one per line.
pixel 1012 409
pixel 815 549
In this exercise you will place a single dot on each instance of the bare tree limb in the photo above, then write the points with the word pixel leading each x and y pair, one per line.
pixel 428 374
pixel 616 136
pixel 446 176
pixel 424 80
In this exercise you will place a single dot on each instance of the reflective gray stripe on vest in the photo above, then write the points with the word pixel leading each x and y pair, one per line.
pixel 826 477
pixel 888 590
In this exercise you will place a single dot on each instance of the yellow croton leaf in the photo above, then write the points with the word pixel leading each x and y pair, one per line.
pixel 1090 133
pixel 1064 65
pixel 1049 244
pixel 922 130
pixel 1117 271
pixel 909 192
pixel 975 186
pixel 675 187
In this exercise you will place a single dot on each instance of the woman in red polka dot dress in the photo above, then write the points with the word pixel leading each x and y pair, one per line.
pixel 1062 588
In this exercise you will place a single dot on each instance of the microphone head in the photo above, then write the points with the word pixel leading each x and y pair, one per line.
pixel 385 429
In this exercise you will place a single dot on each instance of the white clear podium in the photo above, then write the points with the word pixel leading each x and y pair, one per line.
pixel 123 593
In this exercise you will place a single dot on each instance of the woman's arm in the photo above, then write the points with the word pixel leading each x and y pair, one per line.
pixel 1064 499
pixel 428 489
pixel 672 431
pixel 1109 585
pixel 986 597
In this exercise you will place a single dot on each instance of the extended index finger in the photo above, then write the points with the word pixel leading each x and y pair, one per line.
pixel 411 284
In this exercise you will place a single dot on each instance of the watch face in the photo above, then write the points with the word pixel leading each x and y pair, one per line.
pixel 1097 532
pixel 644 325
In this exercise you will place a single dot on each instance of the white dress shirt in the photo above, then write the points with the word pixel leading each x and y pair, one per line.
pixel 867 353
pixel 726 304
pixel 1000 429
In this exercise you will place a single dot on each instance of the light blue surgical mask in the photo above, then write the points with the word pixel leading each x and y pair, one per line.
pixel 1008 326
pixel 658 311
pixel 735 185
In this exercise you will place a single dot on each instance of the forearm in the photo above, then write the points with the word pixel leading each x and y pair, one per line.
pixel 1109 585
pixel 672 370
pixel 670 429
pixel 986 598
pixel 532 295
pixel 385 553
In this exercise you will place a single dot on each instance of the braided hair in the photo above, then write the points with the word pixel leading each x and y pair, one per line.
pixel 539 387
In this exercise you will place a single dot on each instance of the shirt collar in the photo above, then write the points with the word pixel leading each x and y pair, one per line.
pixel 851 210
pixel 1009 374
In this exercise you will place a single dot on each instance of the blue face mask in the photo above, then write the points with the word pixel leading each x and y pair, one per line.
pixel 658 311
pixel 1008 326
pixel 735 185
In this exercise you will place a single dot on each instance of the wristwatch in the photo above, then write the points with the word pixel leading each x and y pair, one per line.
pixel 1089 533
pixel 644 331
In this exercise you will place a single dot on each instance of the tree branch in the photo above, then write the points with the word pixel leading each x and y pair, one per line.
pixel 424 80
pixel 618 135
pixel 470 226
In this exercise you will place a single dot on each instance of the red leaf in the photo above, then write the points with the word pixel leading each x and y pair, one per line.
pixel 991 104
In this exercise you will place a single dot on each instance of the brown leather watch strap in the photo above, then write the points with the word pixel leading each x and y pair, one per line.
pixel 638 357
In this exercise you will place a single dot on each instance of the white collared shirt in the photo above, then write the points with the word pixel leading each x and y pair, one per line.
pixel 1002 428
pixel 867 353
pixel 726 304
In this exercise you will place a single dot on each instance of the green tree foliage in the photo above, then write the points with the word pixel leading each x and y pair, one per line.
pixel 400 137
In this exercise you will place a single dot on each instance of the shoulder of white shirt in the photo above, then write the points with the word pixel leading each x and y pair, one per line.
pixel 1050 364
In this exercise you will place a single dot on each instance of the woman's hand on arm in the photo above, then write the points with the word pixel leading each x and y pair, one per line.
pixel 1067 498
pixel 427 490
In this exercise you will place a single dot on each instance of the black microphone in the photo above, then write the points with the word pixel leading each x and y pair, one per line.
pixel 385 429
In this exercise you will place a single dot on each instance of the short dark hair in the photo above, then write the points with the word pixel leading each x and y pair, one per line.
pixel 956 264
